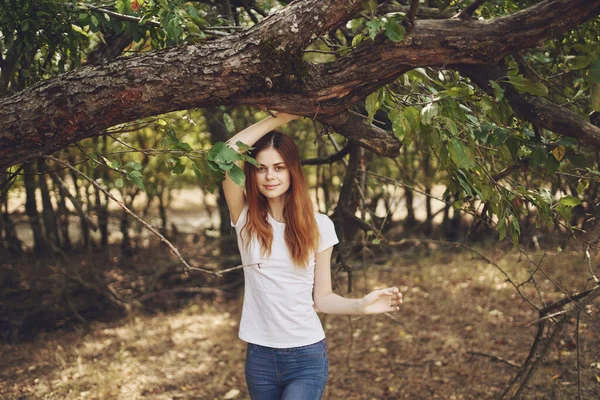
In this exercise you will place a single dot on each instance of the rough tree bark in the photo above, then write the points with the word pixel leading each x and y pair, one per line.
pixel 263 67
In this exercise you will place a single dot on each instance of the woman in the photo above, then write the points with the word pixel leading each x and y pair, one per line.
pixel 286 250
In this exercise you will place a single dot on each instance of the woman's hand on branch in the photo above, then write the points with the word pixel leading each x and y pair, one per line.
pixel 286 117
pixel 382 300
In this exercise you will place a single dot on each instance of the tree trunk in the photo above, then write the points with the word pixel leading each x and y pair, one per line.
pixel 428 224
pixel 63 216
pixel 84 226
pixel 39 242
pixel 8 234
pixel 348 201
pixel 11 240
pixel 48 213
pixel 126 249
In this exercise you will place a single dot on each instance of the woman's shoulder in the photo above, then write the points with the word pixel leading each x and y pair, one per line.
pixel 322 219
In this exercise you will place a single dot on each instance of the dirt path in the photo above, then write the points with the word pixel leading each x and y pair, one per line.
pixel 454 307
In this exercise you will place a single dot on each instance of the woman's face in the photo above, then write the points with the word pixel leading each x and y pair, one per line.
pixel 273 176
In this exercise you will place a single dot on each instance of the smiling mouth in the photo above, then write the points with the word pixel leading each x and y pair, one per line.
pixel 270 186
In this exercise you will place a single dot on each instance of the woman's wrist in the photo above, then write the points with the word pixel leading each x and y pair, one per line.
pixel 362 308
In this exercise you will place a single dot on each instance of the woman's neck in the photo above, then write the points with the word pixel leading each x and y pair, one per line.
pixel 276 208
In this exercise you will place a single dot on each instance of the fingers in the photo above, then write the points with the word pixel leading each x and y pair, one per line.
pixel 395 297
pixel 392 292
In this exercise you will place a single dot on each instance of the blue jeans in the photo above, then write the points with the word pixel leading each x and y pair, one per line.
pixel 296 373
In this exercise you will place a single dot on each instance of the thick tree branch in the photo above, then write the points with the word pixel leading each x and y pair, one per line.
pixel 537 110
pixel 328 160
pixel 263 67
pixel 367 135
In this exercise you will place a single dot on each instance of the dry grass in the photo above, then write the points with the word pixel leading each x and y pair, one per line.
pixel 454 304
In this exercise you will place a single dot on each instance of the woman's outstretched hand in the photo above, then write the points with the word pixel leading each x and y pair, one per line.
pixel 382 300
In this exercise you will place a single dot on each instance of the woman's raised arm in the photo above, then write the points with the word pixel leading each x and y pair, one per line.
pixel 234 195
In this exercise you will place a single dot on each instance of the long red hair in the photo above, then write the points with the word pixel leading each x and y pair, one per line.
pixel 301 230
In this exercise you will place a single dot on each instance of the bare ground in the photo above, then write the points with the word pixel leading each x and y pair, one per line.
pixel 459 313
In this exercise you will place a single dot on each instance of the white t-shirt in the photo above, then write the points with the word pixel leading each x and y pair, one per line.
pixel 278 304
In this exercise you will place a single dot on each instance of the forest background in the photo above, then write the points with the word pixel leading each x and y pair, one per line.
pixel 453 143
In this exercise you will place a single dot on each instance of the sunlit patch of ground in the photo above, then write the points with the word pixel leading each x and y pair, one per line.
pixel 457 307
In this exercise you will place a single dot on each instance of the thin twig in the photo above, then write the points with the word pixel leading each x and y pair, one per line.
pixel 544 318
pixel 469 248
pixel 412 11
pixel 134 215
pixel 76 204
pixel 8 183
pixel 494 358
pixel 589 258
pixel 556 284
pixel 218 273
pixel 468 11
pixel 535 358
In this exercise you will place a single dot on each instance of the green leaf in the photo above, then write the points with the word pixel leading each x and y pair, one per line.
pixel 486 192
pixel 251 160
pixel 515 222
pixel 237 175
pixel 119 183
pixel 199 174
pixel 357 40
pixel 569 201
pixel 394 31
pixel 213 166
pixel 524 85
pixel 79 30
pixel 545 196
pixel 227 166
pixel 580 62
pixel 595 72
pixel 462 156
pixel 229 123
pixel 429 112
pixel 501 227
pixel 136 178
pixel 374 26
pixel 373 103
pixel 583 185
pixel 539 156
pixel 568 141
pixel 369 5
pixel 179 168
pixel 457 205
pixel 243 147
pixel 595 96
pixel 565 212
pixel 221 153
pixel 412 116
pixel 133 165
pixel 498 91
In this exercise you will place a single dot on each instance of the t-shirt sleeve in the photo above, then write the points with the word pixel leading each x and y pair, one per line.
pixel 327 230
pixel 241 219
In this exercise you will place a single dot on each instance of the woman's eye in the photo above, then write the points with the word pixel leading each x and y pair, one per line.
pixel 279 168
pixel 260 169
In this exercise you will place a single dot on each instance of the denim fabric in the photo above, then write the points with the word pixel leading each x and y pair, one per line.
pixel 296 373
